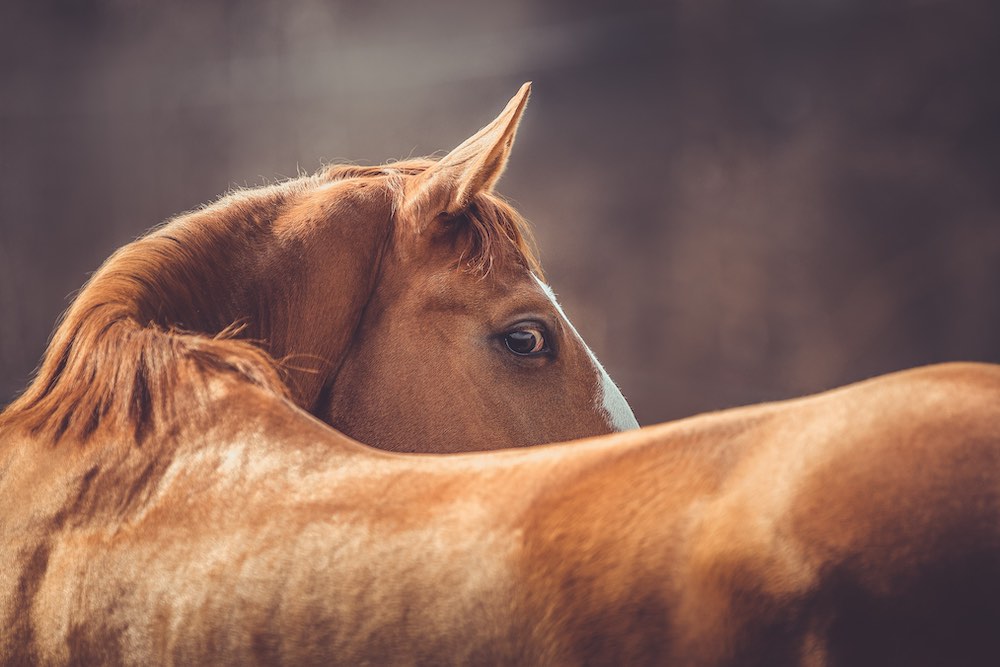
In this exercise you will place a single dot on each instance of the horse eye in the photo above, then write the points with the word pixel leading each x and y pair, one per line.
pixel 525 342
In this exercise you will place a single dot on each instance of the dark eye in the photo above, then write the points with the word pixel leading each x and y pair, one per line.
pixel 526 341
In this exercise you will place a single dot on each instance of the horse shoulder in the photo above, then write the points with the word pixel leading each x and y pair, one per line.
pixel 270 538
pixel 876 502
pixel 903 521
pixel 733 537
pixel 608 540
pixel 901 458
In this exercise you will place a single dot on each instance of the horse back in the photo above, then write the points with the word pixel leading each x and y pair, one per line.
pixel 855 527
pixel 901 523
pixel 863 530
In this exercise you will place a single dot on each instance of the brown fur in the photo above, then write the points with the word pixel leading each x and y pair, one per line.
pixel 276 286
pixel 850 528
pixel 174 295
pixel 194 513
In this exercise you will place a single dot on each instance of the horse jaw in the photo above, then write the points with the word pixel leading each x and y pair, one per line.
pixel 609 398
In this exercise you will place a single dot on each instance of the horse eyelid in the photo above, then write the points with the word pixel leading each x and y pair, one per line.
pixel 550 345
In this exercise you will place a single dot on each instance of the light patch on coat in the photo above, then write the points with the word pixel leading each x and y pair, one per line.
pixel 618 412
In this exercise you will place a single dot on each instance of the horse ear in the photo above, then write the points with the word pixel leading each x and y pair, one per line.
pixel 475 166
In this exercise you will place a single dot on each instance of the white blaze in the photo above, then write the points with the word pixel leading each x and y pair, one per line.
pixel 610 398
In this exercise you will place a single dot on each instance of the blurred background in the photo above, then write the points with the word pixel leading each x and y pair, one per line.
pixel 735 200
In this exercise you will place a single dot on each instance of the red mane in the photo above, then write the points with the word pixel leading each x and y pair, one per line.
pixel 168 308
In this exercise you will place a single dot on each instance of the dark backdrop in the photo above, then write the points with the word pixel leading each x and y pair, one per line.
pixel 736 201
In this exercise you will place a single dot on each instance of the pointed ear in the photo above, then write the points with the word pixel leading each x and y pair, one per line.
pixel 473 167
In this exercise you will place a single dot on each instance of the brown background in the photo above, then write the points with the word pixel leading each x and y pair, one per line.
pixel 736 201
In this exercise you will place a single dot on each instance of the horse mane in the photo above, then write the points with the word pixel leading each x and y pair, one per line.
pixel 142 325
pixel 149 330
pixel 496 232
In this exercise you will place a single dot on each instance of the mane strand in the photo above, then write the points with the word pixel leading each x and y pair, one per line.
pixel 154 325
pixel 142 340
pixel 497 232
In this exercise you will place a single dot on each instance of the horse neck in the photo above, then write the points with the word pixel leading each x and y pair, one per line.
pixel 176 302
pixel 229 430
pixel 331 245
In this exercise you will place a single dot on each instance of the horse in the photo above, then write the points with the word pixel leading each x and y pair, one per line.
pixel 860 526
pixel 856 527
pixel 401 304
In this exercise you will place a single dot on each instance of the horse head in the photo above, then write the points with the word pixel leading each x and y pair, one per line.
pixel 401 304
pixel 461 341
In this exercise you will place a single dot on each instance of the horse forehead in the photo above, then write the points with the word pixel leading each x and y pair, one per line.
pixel 455 286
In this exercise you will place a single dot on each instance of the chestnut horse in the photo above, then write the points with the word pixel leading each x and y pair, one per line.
pixel 217 522
pixel 858 527
pixel 404 302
